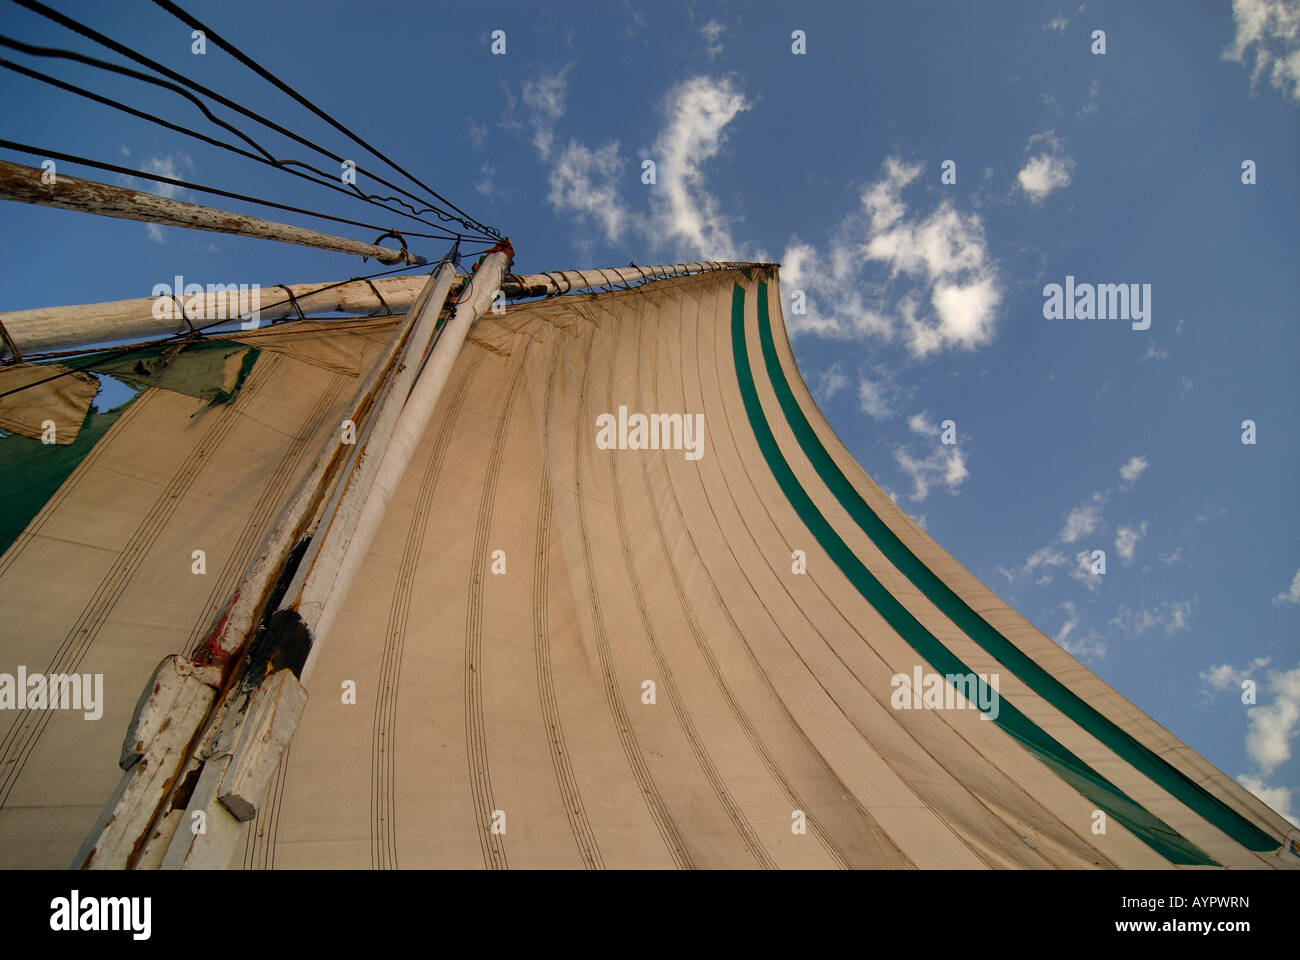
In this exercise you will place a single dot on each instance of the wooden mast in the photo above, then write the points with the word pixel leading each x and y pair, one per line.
pixel 64 327
pixel 26 185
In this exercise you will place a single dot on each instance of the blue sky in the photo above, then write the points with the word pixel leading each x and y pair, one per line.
pixel 924 299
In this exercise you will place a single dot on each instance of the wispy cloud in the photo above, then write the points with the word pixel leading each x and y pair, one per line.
pixel 712 33
pixel 1225 676
pixel 1126 540
pixel 941 288
pixel 584 184
pixel 485 184
pixel 879 392
pixel 476 133
pixel 1291 595
pixel 1279 798
pixel 1154 354
pixel 1089 646
pixel 828 382
pixel 1049 170
pixel 873 399
pixel 1089 108
pixel 1172 616
pixel 1272 726
pixel 1132 468
pixel 1057 24
pixel 944 465
pixel 173 165
pixel 1079 524
pixel 1270 31
pixel 1083 519
pixel 544 96
pixel 684 213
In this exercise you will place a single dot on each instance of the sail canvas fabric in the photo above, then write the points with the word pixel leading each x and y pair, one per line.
pixel 103 581
pixel 674 644
pixel 529 584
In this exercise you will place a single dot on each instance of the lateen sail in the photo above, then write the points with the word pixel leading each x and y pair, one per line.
pixel 631 604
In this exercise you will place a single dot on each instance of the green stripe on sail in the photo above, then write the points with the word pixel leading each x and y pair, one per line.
pixel 1169 778
pixel 1151 830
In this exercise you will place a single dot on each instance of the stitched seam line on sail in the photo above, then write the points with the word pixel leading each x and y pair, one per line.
pixel 1167 776
pixel 1150 829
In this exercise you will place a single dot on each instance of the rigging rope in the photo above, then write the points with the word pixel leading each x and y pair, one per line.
pixel 77 27
pixel 265 158
pixel 216 191
pixel 253 65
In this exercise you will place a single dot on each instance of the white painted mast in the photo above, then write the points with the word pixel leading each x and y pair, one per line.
pixel 67 327
pixel 256 724
pixel 183 692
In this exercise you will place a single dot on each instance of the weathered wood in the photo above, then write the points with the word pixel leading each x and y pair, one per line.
pixel 118 841
pixel 238 759
pixel 25 185
pixel 337 518
pixel 54 328
pixel 172 707
pixel 322 595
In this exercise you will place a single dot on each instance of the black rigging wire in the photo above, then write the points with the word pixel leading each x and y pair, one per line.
pixel 50 14
pixel 253 65
pixel 265 158
pixel 158 178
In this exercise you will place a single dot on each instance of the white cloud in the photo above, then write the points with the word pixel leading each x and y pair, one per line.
pixel 950 286
pixel 1273 726
pixel 1225 676
pixel 584 183
pixel 634 22
pixel 1171 616
pixel 1049 170
pixel 683 214
pixel 1057 24
pixel 944 465
pixel 1071 621
pixel 173 165
pixel 880 394
pixel 1083 519
pixel 1082 647
pixel 1291 595
pixel 1132 468
pixel 1270 29
pixel 920 423
pixel 477 134
pixel 711 31
pixel 1038 566
pixel 1089 108
pixel 1126 540
pixel 683 211
pixel 544 96
pixel 1279 798
pixel 829 382
pixel 1153 354
pixel 486 185
pixel 1082 571
pixel 873 395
